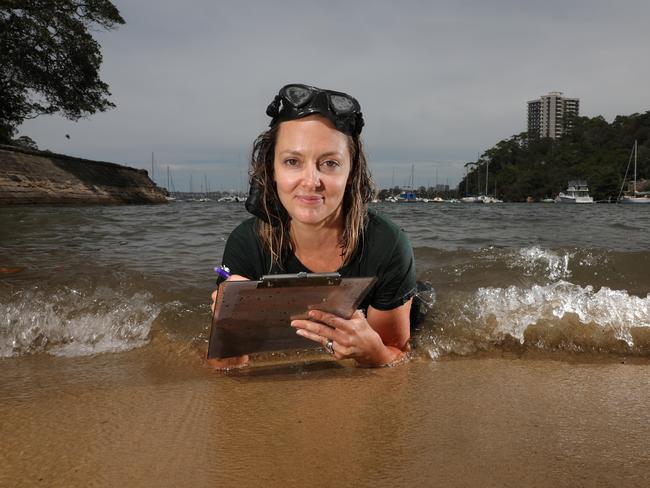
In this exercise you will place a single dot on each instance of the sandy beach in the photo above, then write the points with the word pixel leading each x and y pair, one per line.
pixel 156 417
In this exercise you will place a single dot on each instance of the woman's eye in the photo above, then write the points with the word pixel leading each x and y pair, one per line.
pixel 291 162
pixel 331 164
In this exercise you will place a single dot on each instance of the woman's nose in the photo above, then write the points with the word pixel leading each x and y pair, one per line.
pixel 311 176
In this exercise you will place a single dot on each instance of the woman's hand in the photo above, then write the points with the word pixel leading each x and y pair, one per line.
pixel 353 338
pixel 225 364
pixel 233 362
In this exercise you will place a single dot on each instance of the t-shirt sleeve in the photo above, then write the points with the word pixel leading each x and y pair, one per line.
pixel 396 281
pixel 241 254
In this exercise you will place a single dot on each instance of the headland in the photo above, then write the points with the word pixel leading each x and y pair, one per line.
pixel 31 177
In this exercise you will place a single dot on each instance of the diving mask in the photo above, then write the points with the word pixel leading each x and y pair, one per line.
pixel 296 101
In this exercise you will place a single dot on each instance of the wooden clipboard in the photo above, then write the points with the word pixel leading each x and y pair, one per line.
pixel 255 316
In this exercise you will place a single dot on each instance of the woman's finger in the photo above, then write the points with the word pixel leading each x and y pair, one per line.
pixel 329 319
pixel 338 350
pixel 227 363
pixel 312 336
pixel 317 328
pixel 214 300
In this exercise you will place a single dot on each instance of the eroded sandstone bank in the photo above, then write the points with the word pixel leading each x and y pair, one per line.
pixel 38 177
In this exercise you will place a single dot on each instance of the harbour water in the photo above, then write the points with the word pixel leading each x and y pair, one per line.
pixel 532 366
pixel 100 279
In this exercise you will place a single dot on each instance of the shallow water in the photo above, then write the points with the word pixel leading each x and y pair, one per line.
pixel 542 276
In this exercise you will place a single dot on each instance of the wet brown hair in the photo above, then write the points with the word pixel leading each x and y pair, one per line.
pixel 274 233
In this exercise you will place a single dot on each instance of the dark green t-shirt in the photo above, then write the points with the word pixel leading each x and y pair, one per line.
pixel 385 252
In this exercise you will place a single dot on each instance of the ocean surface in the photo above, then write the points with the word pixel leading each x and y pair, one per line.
pixel 80 281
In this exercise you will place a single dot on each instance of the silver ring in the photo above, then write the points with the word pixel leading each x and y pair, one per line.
pixel 329 345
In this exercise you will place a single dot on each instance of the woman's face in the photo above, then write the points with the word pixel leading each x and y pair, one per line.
pixel 311 169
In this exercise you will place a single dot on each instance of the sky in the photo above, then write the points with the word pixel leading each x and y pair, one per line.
pixel 438 82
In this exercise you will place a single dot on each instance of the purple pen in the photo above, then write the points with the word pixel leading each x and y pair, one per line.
pixel 222 271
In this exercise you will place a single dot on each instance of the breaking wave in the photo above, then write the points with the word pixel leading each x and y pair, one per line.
pixel 522 299
pixel 535 259
pixel 75 322
pixel 560 316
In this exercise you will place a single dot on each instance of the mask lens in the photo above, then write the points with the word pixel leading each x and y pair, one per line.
pixel 297 95
pixel 341 105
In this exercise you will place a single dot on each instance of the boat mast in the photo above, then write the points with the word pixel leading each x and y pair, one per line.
pixel 627 169
pixel 635 143
pixel 487 171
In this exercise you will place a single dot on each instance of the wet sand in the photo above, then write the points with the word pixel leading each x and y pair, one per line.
pixel 156 417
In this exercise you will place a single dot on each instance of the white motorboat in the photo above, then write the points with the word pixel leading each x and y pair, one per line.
pixel 577 192
pixel 471 200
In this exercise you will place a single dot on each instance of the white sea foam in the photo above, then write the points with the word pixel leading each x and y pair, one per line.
pixel 75 323
pixel 534 259
pixel 513 309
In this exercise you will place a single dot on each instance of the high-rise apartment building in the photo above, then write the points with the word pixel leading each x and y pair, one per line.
pixel 547 116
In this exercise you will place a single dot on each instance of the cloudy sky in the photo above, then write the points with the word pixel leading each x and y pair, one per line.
pixel 438 82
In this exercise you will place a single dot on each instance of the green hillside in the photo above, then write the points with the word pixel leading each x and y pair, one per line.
pixel 596 151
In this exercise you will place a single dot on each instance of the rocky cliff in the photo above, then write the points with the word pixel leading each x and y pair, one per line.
pixel 37 177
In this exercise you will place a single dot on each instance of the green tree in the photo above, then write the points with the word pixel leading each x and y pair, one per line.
pixel 49 61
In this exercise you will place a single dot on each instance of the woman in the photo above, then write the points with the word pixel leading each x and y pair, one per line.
pixel 310 192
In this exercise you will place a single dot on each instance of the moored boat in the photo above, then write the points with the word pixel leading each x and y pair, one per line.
pixel 489 199
pixel 639 197
pixel 471 200
pixel 407 197
pixel 576 192
pixel 634 197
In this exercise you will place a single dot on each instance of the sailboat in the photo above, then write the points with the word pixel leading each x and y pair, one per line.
pixel 487 198
pixel 408 196
pixel 170 187
pixel 207 190
pixel 469 198
pixel 636 196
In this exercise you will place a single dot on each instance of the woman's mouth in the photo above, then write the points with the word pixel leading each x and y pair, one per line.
pixel 309 199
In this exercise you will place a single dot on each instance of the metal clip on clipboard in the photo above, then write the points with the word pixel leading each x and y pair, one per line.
pixel 300 279
pixel 255 316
